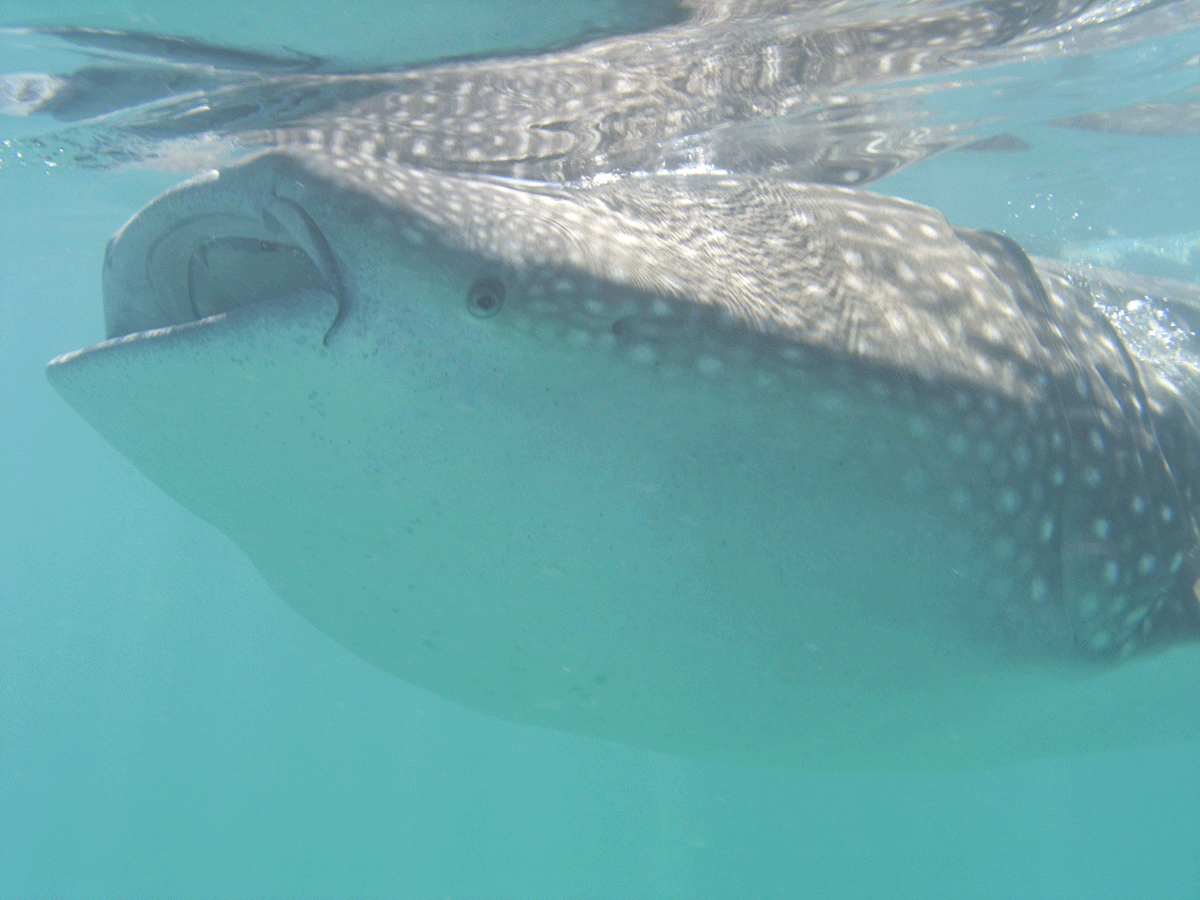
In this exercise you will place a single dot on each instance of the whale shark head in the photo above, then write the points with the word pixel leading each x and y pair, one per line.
pixel 738 469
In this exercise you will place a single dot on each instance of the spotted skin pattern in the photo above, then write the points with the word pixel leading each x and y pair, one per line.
pixel 1041 429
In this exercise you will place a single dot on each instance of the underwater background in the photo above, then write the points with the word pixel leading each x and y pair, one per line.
pixel 169 728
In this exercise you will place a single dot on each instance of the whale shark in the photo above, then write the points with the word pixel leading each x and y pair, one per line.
pixel 725 466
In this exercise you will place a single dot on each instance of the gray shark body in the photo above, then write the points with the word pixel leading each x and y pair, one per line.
pixel 728 467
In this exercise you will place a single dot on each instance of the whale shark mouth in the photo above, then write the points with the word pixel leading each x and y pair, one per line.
pixel 175 267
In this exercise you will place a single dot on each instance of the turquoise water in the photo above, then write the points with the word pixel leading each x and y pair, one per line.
pixel 168 727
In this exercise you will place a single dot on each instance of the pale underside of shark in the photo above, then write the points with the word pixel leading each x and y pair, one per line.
pixel 744 470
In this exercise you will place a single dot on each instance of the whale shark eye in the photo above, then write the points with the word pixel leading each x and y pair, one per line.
pixel 485 297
